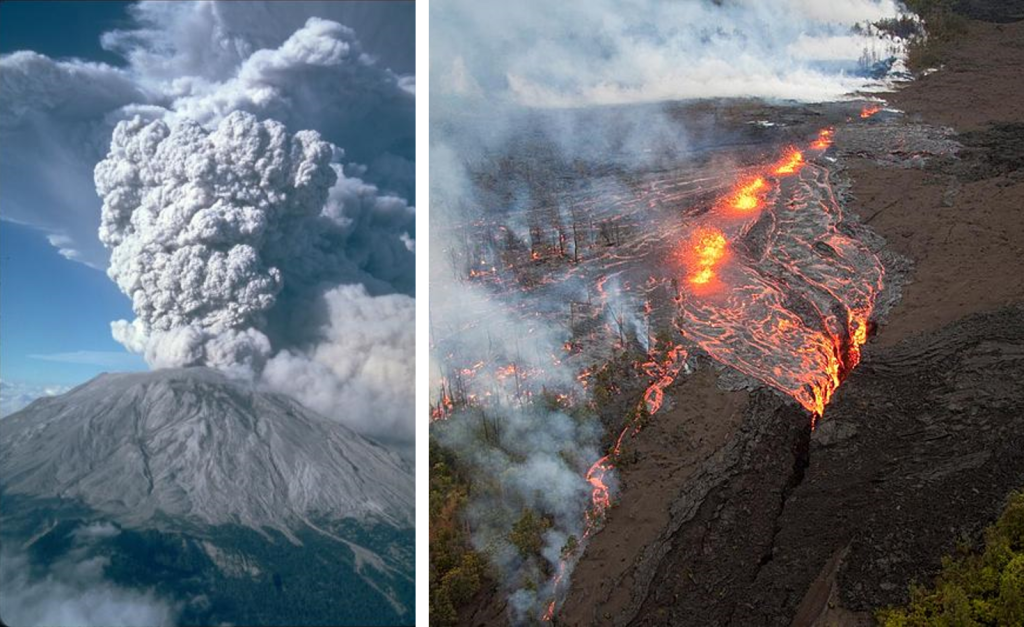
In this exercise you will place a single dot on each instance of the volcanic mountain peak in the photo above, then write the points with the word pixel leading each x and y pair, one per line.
pixel 190 446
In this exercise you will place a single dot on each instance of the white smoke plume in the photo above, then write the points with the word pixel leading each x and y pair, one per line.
pixel 198 224
pixel 232 244
pixel 613 52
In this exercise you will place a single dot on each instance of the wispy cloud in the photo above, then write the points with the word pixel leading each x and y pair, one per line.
pixel 73 589
pixel 107 359
pixel 15 395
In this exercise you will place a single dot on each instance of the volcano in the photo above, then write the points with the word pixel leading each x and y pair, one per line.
pixel 272 512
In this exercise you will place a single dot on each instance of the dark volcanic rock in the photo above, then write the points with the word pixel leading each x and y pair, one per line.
pixel 918 451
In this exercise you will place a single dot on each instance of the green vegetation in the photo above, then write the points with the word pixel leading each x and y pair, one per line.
pixel 973 590
pixel 456 570
pixel 527 534
pixel 945 29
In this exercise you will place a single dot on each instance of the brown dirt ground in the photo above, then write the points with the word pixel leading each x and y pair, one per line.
pixel 668 453
pixel 966 238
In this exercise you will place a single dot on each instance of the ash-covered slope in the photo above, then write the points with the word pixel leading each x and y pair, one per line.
pixel 190 446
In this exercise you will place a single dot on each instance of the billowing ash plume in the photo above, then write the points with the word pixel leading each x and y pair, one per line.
pixel 248 249
pixel 199 225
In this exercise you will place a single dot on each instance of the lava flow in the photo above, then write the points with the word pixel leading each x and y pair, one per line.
pixel 661 374
pixel 791 305
pixel 869 110
pixel 824 139
pixel 708 246
pixel 789 164
pixel 748 196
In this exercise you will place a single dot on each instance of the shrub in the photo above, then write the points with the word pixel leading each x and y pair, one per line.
pixel 973 589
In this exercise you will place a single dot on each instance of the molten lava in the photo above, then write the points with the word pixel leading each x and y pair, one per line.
pixel 794 310
pixel 749 196
pixel 790 163
pixel 869 110
pixel 707 248
pixel 824 139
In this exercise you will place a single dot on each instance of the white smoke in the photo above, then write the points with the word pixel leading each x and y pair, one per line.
pixel 196 221
pixel 246 243
pixel 615 52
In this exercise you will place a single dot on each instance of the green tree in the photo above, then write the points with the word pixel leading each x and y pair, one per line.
pixel 527 533
pixel 974 589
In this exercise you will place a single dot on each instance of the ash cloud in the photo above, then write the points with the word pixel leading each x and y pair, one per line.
pixel 232 245
pixel 361 368
pixel 198 224
pixel 203 60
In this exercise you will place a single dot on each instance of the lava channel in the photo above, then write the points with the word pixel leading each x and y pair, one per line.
pixel 778 288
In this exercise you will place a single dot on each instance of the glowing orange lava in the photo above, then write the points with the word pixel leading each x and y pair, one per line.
pixel 791 163
pixel 824 139
pixel 869 111
pixel 777 317
pixel 707 247
pixel 748 196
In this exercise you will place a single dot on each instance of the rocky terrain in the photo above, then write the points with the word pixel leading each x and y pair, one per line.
pixel 782 524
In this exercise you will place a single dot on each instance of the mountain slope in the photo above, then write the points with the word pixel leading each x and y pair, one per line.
pixel 193 445
pixel 235 505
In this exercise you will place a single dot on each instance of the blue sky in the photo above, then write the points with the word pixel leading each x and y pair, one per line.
pixel 54 313
pixel 72 29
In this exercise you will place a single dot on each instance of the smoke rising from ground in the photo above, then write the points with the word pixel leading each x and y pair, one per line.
pixel 526 453
pixel 644 51
pixel 532 459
